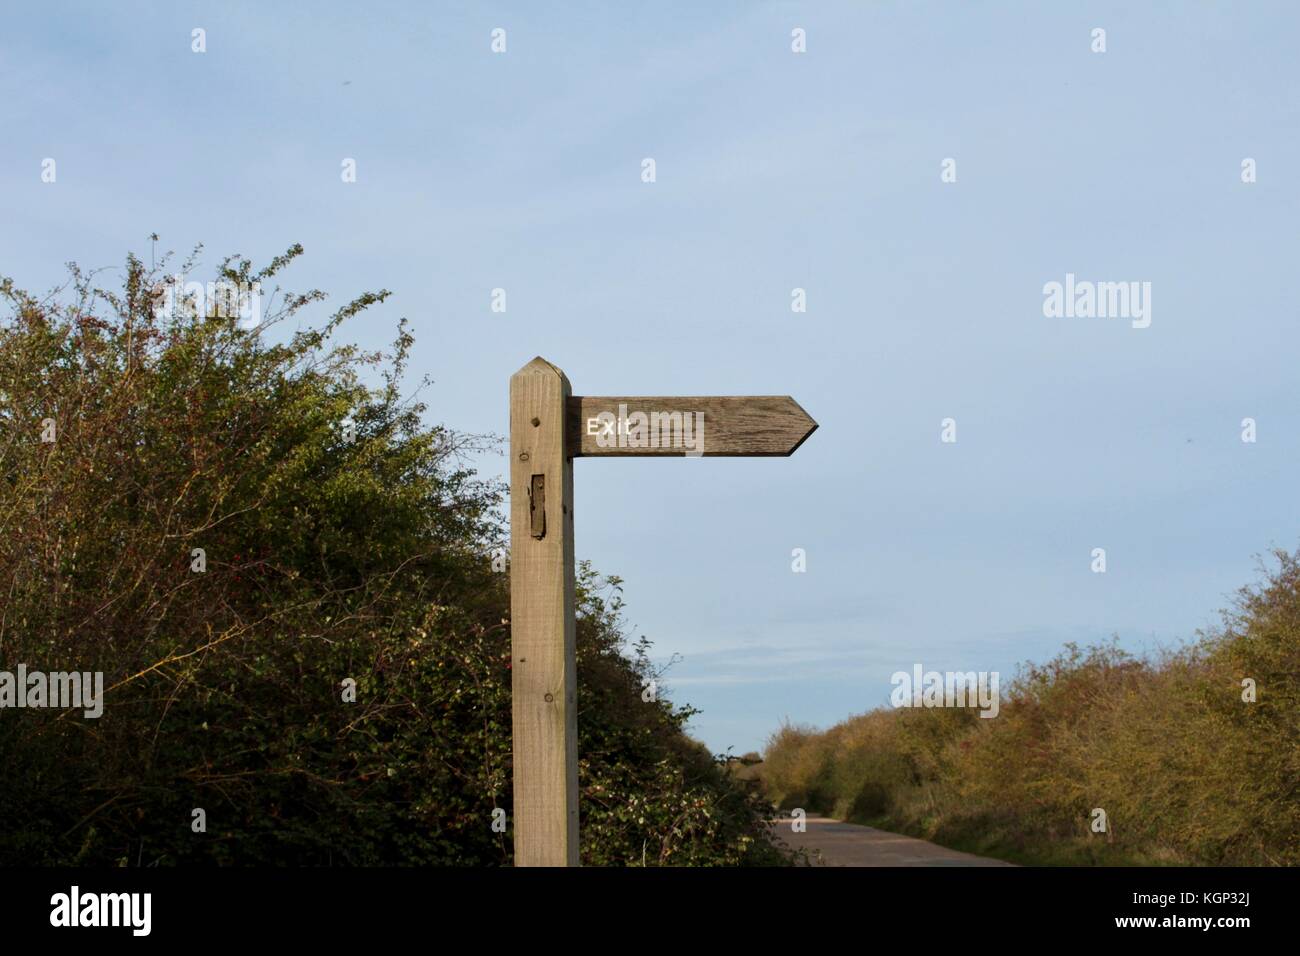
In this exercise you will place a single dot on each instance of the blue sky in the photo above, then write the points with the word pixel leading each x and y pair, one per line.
pixel 775 170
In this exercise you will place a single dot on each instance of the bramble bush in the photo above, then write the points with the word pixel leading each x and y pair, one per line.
pixel 341 538
pixel 1186 769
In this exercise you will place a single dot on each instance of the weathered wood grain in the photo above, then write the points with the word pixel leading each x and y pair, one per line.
pixel 549 427
pixel 543 670
pixel 734 425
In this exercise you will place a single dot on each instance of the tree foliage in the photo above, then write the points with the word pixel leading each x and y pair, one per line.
pixel 341 538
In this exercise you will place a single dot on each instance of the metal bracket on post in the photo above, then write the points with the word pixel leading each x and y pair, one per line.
pixel 537 506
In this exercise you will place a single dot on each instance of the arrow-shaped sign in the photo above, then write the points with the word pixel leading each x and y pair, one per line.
pixel 549 427
pixel 712 425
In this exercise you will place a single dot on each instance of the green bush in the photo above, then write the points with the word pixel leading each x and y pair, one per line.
pixel 1186 770
pixel 343 539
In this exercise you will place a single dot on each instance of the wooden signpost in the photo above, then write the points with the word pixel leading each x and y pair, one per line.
pixel 549 427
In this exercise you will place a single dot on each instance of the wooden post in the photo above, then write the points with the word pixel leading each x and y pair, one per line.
pixel 544 672
pixel 549 427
